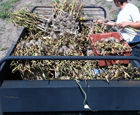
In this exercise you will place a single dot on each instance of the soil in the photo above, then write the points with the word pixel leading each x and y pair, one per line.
pixel 9 33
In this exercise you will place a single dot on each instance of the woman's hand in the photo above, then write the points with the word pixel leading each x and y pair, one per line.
pixel 100 21
pixel 123 24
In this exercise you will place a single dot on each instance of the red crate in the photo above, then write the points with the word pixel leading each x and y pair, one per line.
pixel 116 35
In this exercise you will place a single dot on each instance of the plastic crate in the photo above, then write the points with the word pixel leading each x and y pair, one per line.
pixel 116 35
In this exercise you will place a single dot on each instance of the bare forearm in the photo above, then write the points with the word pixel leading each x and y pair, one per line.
pixel 134 25
pixel 111 23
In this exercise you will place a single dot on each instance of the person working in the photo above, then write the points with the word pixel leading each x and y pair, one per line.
pixel 127 20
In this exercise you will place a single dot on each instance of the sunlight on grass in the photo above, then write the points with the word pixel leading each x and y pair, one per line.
pixel 4 8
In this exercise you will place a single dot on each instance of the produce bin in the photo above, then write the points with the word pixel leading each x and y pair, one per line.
pixel 17 95
pixel 97 37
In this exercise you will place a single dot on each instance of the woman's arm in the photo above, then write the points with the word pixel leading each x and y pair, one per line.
pixel 135 25
pixel 111 23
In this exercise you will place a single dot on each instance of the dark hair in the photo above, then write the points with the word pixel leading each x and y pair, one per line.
pixel 122 1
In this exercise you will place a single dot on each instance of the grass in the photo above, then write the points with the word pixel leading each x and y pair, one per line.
pixel 4 8
pixel 138 6
pixel 98 1
pixel 114 14
pixel 4 48
pixel 109 7
pixel 2 27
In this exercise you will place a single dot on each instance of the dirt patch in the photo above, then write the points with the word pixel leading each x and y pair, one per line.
pixel 8 35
